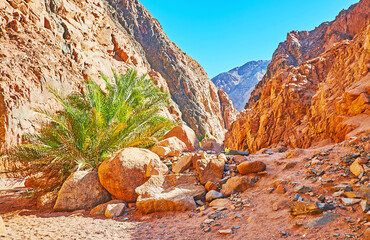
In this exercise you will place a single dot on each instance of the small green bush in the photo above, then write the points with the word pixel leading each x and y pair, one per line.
pixel 94 123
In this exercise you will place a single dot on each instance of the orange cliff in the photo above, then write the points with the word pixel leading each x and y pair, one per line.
pixel 321 90
pixel 62 43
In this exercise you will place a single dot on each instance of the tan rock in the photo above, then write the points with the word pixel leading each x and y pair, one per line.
pixel 251 167
pixel 225 231
pixel 183 163
pixel 169 193
pixel 280 189
pixel 222 157
pixel 211 186
pixel 209 169
pixel 100 209
pixel 175 145
pixel 302 208
pixel 237 184
pixel 238 159
pixel 211 145
pixel 114 210
pixel 356 168
pixel 161 151
pixel 221 202
pixel 279 181
pixel 81 190
pixel 47 199
pixel 122 172
pixel 186 135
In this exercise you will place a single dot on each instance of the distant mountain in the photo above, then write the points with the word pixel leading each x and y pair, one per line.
pixel 239 82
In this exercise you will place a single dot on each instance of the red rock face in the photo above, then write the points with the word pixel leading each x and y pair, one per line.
pixel 62 43
pixel 305 45
pixel 325 97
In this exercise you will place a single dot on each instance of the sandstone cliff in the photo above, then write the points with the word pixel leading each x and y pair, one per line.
pixel 239 82
pixel 301 46
pixel 63 42
pixel 299 101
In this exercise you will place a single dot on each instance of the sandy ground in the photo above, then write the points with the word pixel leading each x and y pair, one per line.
pixel 258 219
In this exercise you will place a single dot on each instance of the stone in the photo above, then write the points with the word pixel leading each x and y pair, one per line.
pixel 211 186
pixel 237 184
pixel 186 135
pixel 175 145
pixel 122 172
pixel 212 195
pixel 209 169
pixel 356 168
pixel 81 190
pixel 325 206
pixel 351 195
pixel 338 193
pixel 211 144
pixel 114 210
pixel 302 208
pixel 302 189
pixel 208 221
pixel 238 159
pixel 364 206
pixel 47 200
pixel 275 206
pixel 342 187
pixel 161 151
pixel 222 157
pixel 221 202
pixel 350 201
pixel 289 165
pixel 169 193
pixel 237 152
pixel 251 167
pixel 2 225
pixel 321 221
pixel 183 163
pixel 100 209
pixel 225 231
pixel 278 182
pixel 280 189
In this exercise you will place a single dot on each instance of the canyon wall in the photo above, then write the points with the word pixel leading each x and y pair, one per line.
pixel 64 42
pixel 316 87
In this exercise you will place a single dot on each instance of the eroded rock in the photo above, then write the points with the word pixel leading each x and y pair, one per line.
pixel 122 172
pixel 169 193
pixel 81 190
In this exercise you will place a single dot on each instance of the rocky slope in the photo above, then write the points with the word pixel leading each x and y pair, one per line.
pixel 63 42
pixel 239 82
pixel 316 87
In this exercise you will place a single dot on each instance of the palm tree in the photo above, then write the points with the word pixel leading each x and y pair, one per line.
pixel 94 123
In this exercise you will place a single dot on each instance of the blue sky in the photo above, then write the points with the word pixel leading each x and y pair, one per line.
pixel 222 35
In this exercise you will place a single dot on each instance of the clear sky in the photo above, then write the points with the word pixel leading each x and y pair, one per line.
pixel 222 35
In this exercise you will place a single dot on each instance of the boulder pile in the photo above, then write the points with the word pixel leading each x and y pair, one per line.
pixel 176 175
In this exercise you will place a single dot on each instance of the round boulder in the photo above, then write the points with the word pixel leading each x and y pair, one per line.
pixel 251 167
pixel 171 147
pixel 81 190
pixel 186 135
pixel 122 172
